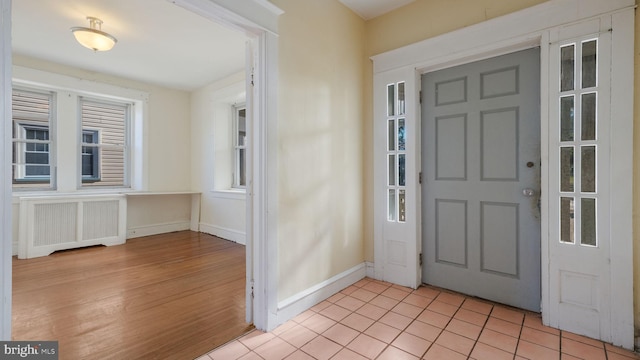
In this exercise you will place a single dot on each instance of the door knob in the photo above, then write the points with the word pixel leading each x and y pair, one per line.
pixel 528 192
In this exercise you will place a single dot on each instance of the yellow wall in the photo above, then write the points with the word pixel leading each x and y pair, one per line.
pixel 320 155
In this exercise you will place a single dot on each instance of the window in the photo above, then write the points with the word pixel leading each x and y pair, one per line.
pixel 579 142
pixel 71 134
pixel 240 147
pixel 104 145
pixel 396 153
pixel 90 156
pixel 32 144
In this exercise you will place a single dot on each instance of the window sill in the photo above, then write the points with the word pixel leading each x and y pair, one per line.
pixel 87 192
pixel 53 192
pixel 236 194
pixel 144 193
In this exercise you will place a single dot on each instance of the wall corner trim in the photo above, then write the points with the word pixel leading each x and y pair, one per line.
pixel 370 270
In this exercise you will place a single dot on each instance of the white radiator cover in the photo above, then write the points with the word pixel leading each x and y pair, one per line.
pixel 52 223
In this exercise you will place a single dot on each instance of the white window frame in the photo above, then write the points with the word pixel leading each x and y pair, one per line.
pixel 238 148
pixel 23 142
pixel 100 145
pixel 97 136
pixel 21 181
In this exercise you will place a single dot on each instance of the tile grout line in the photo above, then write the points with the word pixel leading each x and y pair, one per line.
pixel 515 351
pixel 401 330
pixel 376 321
pixel 481 330
pixel 352 312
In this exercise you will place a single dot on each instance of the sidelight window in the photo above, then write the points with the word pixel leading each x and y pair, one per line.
pixel 578 136
pixel 396 152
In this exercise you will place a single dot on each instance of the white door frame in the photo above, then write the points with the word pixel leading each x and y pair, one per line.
pixel 5 169
pixel 520 30
pixel 259 20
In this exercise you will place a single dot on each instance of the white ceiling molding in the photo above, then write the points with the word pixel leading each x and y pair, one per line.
pixel 262 13
pixel 369 9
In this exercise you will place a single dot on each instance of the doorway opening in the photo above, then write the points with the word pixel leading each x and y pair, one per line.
pixel 260 78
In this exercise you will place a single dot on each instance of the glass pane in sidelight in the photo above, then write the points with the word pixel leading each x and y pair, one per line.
pixel 401 171
pixel 391 99
pixel 567 67
pixel 391 205
pixel 566 169
pixel 401 135
pixel 401 206
pixel 566 118
pixel 242 127
pixel 588 169
pixel 589 64
pixel 567 220
pixel 401 102
pixel 392 135
pixel 392 170
pixel 589 116
pixel 588 222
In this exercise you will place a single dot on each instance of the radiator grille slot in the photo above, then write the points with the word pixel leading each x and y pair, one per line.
pixel 55 223
pixel 100 219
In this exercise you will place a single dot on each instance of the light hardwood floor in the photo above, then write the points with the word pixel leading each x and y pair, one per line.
pixel 169 296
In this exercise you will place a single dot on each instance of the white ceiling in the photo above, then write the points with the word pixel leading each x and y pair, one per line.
pixel 158 41
pixel 368 9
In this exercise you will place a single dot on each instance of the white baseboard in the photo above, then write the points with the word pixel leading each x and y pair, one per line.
pixel 296 304
pixel 225 233
pixel 155 229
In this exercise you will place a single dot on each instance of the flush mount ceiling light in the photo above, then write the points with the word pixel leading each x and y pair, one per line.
pixel 93 37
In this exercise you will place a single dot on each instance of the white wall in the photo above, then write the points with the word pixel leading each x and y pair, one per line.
pixel 223 210
pixel 143 220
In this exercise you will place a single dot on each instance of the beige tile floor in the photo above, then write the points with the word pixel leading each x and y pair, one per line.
pixel 378 320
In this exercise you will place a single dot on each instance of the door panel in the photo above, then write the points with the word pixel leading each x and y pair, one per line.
pixel 499 244
pixel 451 147
pixel 499 149
pixel 451 232
pixel 481 165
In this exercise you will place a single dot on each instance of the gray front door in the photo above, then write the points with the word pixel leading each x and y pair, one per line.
pixel 481 179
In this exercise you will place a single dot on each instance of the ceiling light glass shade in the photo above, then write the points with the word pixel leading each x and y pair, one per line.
pixel 93 37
